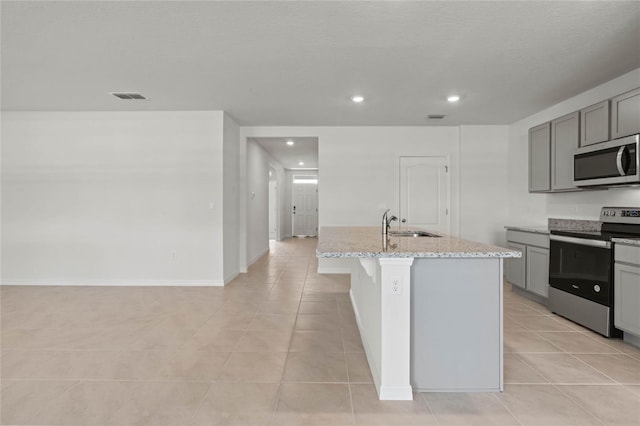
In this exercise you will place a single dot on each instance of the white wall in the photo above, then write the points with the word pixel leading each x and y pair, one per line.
pixel 118 198
pixel 483 183
pixel 359 173
pixel 283 208
pixel 358 167
pixel 525 208
pixel 231 199
pixel 257 199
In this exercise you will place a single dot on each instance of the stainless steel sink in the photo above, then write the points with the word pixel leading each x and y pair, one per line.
pixel 413 234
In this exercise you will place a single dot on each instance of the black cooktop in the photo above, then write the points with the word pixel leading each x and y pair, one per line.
pixel 609 230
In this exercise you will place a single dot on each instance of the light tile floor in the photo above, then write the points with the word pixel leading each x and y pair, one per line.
pixel 278 346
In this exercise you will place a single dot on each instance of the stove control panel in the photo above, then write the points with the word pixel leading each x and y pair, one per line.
pixel 630 213
pixel 620 215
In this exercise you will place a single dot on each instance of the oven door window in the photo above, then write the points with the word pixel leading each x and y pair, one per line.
pixel 581 270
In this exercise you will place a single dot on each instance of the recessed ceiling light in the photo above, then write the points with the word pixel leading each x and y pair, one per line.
pixel 301 163
pixel 290 143
pixel 453 98
pixel 357 98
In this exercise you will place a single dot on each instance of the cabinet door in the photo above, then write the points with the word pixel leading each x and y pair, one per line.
pixel 594 124
pixel 626 293
pixel 564 141
pixel 516 272
pixel 538 270
pixel 625 114
pixel 540 158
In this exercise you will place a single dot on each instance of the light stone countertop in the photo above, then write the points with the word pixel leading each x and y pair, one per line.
pixel 628 241
pixel 560 225
pixel 368 242
pixel 534 229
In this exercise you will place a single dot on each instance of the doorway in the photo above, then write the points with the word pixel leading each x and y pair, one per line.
pixel 424 193
pixel 305 206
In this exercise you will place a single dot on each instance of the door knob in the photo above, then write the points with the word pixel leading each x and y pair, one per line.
pixel 404 220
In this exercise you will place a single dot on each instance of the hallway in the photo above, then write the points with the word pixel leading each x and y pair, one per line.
pixel 279 346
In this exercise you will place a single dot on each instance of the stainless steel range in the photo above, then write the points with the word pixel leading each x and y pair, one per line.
pixel 581 269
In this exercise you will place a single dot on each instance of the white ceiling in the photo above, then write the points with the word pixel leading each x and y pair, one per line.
pixel 298 62
pixel 304 149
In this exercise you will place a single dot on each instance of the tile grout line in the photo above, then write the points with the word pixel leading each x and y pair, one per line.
pixel 603 373
pixel 276 403
pixel 507 408
pixel 571 353
pixel 195 410
pixel 559 389
pixel 62 393
pixel 353 410
pixel 431 410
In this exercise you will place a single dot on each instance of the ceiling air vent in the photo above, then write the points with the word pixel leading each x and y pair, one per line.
pixel 128 95
pixel 435 116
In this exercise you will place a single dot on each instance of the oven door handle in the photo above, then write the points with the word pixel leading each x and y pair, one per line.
pixel 581 241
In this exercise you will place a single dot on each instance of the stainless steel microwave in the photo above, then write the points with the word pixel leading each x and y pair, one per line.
pixel 606 164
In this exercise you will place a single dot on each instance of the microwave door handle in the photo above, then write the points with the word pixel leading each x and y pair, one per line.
pixel 619 161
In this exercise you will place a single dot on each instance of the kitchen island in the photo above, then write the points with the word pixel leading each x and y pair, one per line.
pixel 429 309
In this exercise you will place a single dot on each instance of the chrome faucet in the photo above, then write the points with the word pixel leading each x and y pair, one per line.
pixel 386 222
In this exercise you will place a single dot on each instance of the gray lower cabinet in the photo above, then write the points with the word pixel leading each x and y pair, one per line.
pixel 565 132
pixel 538 270
pixel 516 268
pixel 594 123
pixel 625 114
pixel 531 271
pixel 627 289
pixel 540 158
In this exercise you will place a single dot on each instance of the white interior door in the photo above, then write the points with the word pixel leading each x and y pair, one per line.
pixel 424 193
pixel 305 205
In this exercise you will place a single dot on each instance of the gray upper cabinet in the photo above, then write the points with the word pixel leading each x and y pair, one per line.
pixel 552 145
pixel 565 133
pixel 625 114
pixel 540 158
pixel 594 124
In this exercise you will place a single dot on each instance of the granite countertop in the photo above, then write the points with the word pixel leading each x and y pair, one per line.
pixel 560 225
pixel 534 229
pixel 628 241
pixel 368 242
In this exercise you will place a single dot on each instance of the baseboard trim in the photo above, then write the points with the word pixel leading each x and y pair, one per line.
pixel 258 256
pixel 333 270
pixel 118 283
pixel 396 393
pixel 230 278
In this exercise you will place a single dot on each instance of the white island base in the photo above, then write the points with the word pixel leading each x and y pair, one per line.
pixel 430 324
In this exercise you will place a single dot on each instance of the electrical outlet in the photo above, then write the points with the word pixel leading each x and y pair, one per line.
pixel 396 285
